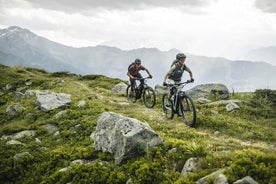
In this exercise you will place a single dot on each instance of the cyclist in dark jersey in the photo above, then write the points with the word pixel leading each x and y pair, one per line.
pixel 174 75
pixel 133 72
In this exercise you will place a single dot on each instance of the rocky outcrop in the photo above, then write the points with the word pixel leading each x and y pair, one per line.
pixel 219 91
pixel 160 90
pixel 119 88
pixel 48 101
pixel 123 137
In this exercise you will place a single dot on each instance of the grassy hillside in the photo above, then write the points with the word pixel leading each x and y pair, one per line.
pixel 242 141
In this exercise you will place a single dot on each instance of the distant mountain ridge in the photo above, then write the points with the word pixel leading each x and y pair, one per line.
pixel 22 47
pixel 267 54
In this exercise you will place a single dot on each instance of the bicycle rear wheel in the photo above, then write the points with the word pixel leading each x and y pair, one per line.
pixel 188 110
pixel 130 94
pixel 149 97
pixel 167 110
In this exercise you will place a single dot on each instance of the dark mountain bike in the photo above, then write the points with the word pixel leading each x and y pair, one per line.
pixel 181 104
pixel 142 90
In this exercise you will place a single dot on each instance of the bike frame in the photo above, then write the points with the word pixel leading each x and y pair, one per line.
pixel 142 84
pixel 176 99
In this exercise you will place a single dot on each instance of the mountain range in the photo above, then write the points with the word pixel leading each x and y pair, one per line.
pixel 20 46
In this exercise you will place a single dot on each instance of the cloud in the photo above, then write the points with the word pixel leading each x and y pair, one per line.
pixel 266 5
pixel 85 5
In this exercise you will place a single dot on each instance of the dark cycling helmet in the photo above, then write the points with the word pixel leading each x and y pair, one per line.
pixel 137 61
pixel 180 55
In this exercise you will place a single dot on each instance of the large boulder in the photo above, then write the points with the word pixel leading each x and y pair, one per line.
pixel 123 137
pixel 119 88
pixel 160 90
pixel 219 91
pixel 48 100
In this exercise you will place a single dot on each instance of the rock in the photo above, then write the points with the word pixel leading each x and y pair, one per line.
pixel 81 103
pixel 160 90
pixel 231 106
pixel 246 180
pixel 19 95
pixel 8 87
pixel 123 137
pixel 22 156
pixel 214 111
pixel 224 102
pixel 119 88
pixel 203 100
pixel 190 166
pixel 19 135
pixel 50 128
pixel 205 179
pixel 25 133
pixel 15 142
pixel 221 179
pixel 220 91
pixel 49 101
pixel 15 109
pixel 28 83
pixel 61 114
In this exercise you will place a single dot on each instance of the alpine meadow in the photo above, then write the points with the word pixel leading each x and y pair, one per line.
pixel 56 145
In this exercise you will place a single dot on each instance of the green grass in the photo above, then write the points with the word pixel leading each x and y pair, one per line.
pixel 242 141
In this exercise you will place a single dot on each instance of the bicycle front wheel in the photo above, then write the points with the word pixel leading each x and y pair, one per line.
pixel 149 97
pixel 130 94
pixel 168 110
pixel 188 110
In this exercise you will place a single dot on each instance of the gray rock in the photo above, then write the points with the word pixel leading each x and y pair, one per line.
pixel 203 100
pixel 81 103
pixel 8 87
pixel 205 179
pixel 49 101
pixel 19 135
pixel 224 102
pixel 23 155
pixel 61 114
pixel 50 128
pixel 19 95
pixel 231 106
pixel 220 91
pixel 221 179
pixel 190 166
pixel 160 90
pixel 14 142
pixel 119 88
pixel 15 109
pixel 123 137
pixel 246 180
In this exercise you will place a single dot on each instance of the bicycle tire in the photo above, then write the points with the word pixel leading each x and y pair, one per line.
pixel 188 110
pixel 149 97
pixel 130 96
pixel 167 110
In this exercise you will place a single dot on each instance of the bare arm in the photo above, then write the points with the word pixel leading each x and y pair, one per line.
pixel 130 76
pixel 148 72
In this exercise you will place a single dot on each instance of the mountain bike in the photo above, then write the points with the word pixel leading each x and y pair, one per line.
pixel 142 90
pixel 181 104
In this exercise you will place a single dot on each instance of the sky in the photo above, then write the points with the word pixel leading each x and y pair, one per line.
pixel 218 28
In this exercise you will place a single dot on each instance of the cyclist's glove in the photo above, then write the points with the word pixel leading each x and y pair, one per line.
pixel 150 76
pixel 165 84
pixel 192 79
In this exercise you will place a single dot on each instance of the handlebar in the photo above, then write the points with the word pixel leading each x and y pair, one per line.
pixel 143 78
pixel 181 83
